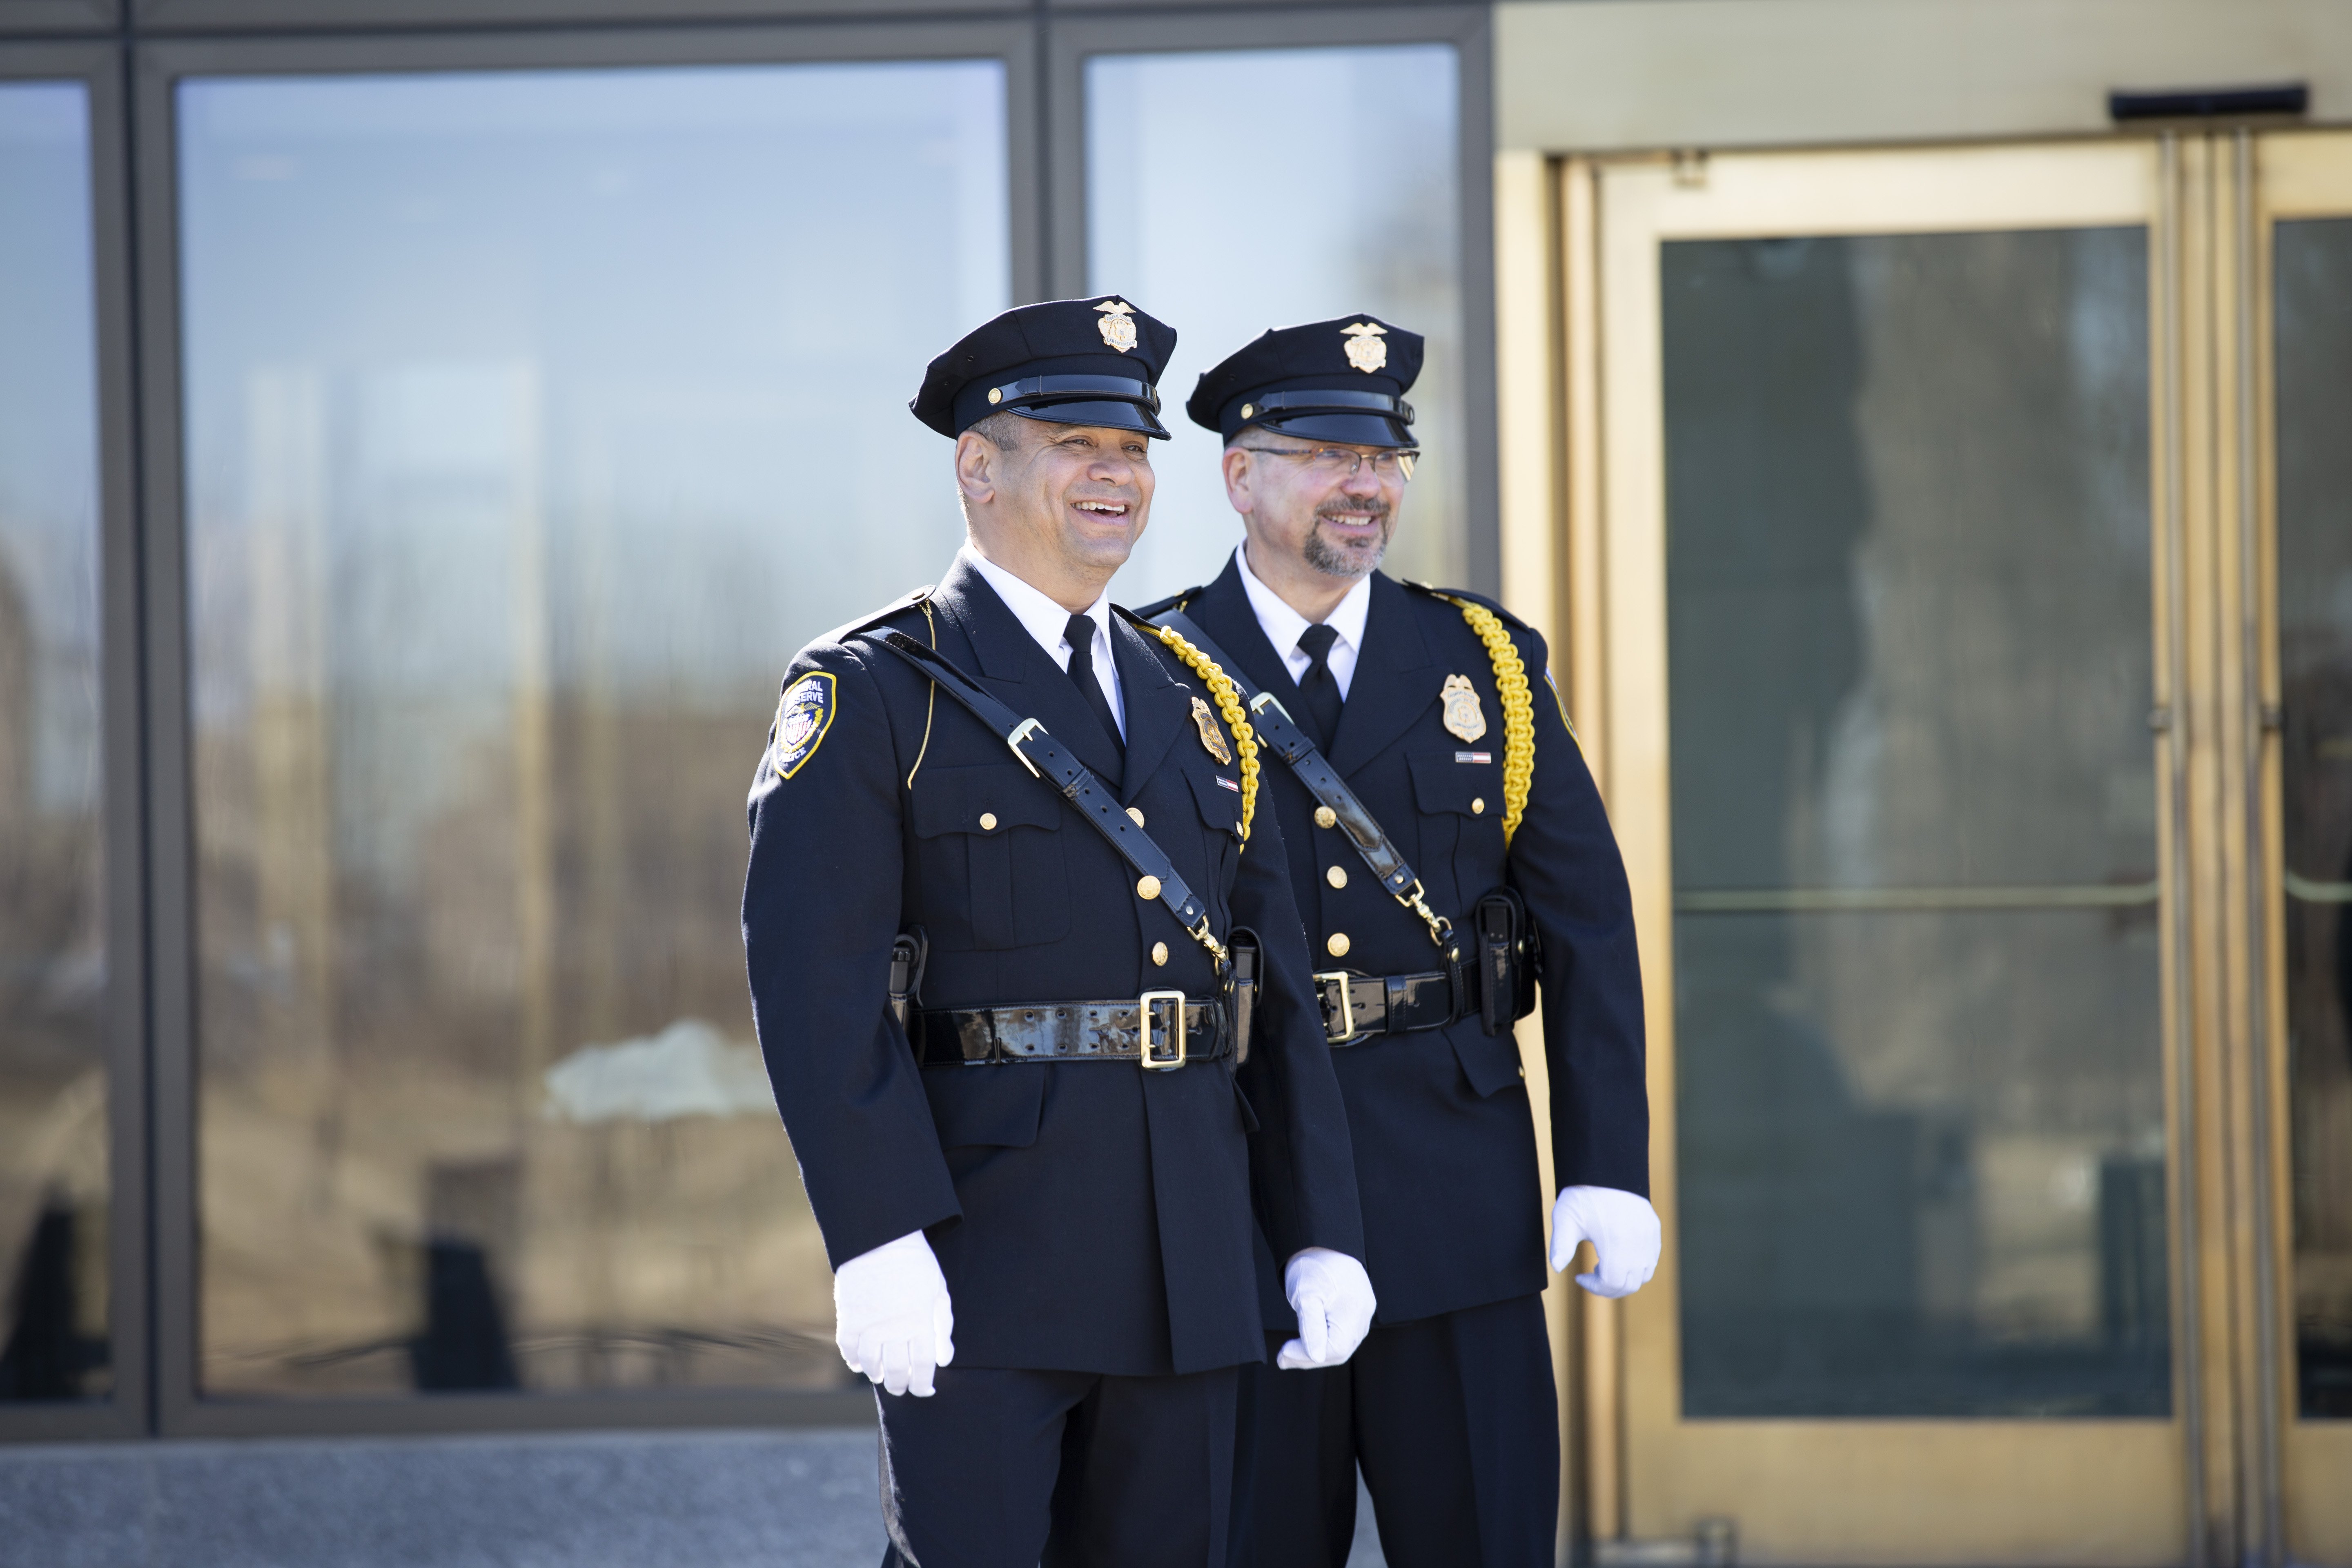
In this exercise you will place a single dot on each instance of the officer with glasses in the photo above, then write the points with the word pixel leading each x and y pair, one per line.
pixel 1452 861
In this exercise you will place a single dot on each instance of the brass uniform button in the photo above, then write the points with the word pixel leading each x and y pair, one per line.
pixel 1325 817
pixel 1478 805
pixel 1148 889
pixel 1159 953
pixel 1337 877
pixel 1338 945
pixel 988 822
pixel 1137 815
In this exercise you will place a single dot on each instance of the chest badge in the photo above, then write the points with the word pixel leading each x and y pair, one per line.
pixel 1212 738
pixel 1465 720
pixel 1117 325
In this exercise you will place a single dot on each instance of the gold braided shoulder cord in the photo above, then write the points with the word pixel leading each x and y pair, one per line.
pixel 1229 708
pixel 1518 709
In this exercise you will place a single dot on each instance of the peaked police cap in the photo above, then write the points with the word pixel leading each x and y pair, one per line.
pixel 1341 380
pixel 1068 362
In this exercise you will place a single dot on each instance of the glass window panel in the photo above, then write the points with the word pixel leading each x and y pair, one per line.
pixel 533 421
pixel 2313 350
pixel 1917 1027
pixel 53 957
pixel 1189 211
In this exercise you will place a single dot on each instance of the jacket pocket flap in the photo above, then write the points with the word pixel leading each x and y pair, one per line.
pixel 982 800
pixel 997 1105
pixel 1220 806
pixel 1490 1063
pixel 1441 783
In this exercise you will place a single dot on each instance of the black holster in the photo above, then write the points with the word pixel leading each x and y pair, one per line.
pixel 1242 984
pixel 1511 960
pixel 909 950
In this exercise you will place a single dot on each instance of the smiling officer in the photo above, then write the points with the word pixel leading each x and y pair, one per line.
pixel 1445 843
pixel 1008 854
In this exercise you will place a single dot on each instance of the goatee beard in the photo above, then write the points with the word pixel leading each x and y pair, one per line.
pixel 1339 562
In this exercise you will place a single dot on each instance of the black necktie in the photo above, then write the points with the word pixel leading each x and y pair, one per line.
pixel 1081 634
pixel 1316 688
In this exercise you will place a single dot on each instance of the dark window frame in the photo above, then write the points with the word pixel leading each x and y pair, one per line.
pixel 126 1410
pixel 131 55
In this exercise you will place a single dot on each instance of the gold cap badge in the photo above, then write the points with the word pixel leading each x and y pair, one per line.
pixel 1463 719
pixel 1368 350
pixel 1118 325
pixel 1212 738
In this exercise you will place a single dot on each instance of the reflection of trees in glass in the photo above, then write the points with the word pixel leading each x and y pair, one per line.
pixel 534 420
pixel 52 1092
pixel 1920 1149
pixel 2314 348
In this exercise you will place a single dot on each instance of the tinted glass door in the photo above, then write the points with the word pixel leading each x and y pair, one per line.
pixel 1883 577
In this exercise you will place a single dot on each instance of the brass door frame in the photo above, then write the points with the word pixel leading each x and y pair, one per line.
pixel 1582 535
pixel 2305 1512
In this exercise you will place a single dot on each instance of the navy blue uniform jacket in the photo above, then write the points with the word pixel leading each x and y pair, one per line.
pixel 1089 1216
pixel 1444 1146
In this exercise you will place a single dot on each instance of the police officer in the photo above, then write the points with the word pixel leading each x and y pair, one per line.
pixel 1444 840
pixel 1008 854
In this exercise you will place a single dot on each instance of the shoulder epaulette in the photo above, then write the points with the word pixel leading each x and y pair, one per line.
pixel 1507 616
pixel 903 602
pixel 1172 602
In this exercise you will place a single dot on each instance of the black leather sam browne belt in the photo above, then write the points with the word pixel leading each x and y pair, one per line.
pixel 1497 986
pixel 1158 1028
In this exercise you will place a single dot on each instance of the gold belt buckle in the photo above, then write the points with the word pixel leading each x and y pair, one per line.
pixel 1175 999
pixel 1323 982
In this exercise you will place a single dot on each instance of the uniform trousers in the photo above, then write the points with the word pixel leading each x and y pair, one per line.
pixel 1014 1469
pixel 1455 1424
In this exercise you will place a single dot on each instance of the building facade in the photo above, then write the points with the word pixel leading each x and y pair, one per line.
pixel 422 444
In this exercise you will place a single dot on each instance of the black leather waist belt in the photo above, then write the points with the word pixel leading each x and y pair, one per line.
pixel 1358 1007
pixel 1180 1031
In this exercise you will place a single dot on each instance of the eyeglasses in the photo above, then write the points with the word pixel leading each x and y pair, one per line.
pixel 1341 463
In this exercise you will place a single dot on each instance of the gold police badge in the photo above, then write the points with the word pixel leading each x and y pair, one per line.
pixel 1368 350
pixel 1212 738
pixel 1117 325
pixel 1463 719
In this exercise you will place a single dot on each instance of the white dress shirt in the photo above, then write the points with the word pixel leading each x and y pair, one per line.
pixel 1048 622
pixel 1283 625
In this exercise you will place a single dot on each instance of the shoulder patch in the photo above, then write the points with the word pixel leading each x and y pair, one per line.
pixel 802 717
pixel 1508 619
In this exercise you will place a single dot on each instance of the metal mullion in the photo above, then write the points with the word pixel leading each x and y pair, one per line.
pixel 2258 740
pixel 95 65
pixel 156 69
pixel 2172 615
pixel 1072 39
pixel 51 17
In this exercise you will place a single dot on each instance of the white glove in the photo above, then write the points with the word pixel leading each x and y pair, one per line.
pixel 1333 1298
pixel 891 1319
pixel 1623 1228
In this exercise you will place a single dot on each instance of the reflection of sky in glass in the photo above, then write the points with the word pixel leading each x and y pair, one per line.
pixel 1235 192
pixel 678 311
pixel 48 438
pixel 499 383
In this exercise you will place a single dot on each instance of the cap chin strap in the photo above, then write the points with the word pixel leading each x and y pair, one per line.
pixel 1042 390
pixel 1322 400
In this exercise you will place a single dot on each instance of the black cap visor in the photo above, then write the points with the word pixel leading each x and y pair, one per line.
pixel 1350 429
pixel 1117 402
pixel 1098 415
